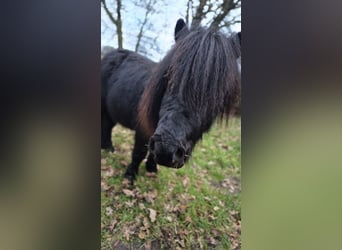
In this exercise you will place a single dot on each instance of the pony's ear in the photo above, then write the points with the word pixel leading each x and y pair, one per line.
pixel 180 26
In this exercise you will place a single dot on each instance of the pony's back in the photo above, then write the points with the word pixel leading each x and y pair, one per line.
pixel 110 62
pixel 124 74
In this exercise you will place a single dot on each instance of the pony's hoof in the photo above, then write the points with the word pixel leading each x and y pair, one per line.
pixel 130 177
pixel 151 169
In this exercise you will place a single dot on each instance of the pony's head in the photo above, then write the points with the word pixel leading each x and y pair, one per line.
pixel 194 84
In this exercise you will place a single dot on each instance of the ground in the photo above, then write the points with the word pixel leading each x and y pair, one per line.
pixel 196 207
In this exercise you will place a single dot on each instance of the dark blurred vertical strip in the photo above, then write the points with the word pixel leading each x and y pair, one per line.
pixel 291 123
pixel 50 125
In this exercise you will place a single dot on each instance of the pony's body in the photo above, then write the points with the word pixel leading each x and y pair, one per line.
pixel 172 103
pixel 124 77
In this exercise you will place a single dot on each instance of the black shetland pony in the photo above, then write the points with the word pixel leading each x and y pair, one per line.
pixel 172 103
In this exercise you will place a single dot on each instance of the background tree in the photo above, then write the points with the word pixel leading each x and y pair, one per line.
pixel 117 21
pixel 139 32
pixel 217 14
pixel 146 26
pixel 142 25
pixel 149 7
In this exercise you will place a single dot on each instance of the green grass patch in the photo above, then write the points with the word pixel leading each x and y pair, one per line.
pixel 195 207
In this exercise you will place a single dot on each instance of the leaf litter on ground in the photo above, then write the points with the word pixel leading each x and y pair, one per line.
pixel 175 209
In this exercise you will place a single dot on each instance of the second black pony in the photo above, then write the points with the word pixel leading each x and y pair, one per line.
pixel 172 103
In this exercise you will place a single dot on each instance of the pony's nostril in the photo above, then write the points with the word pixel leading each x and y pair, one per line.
pixel 178 156
pixel 180 153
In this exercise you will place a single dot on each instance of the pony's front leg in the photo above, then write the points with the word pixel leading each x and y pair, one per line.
pixel 151 165
pixel 138 155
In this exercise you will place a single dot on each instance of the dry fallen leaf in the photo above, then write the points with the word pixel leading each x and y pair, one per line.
pixel 216 232
pixel 185 198
pixel 104 168
pixel 213 241
pixel 104 186
pixel 126 234
pixel 109 172
pixel 183 208
pixel 211 163
pixel 150 196
pixel 168 208
pixel 153 214
pixel 181 243
pixel 112 225
pixel 125 183
pixel 142 235
pixel 201 244
pixel 180 208
pixel 151 174
pixel 128 192
pixel 188 219
pixel 130 203
pixel 207 198
pixel 211 217
pixel 185 181
pixel 109 211
pixel 141 206
pixel 235 215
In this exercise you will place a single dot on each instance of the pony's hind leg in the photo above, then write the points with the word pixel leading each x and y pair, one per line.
pixel 138 155
pixel 106 131
pixel 151 165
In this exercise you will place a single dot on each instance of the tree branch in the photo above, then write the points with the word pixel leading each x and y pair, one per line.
pixel 116 21
pixel 109 14
pixel 188 9
pixel 226 6
pixel 148 7
pixel 199 15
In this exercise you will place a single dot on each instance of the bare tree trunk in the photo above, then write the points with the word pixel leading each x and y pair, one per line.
pixel 199 15
pixel 119 24
pixel 188 10
pixel 116 21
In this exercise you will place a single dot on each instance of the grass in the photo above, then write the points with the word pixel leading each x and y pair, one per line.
pixel 195 207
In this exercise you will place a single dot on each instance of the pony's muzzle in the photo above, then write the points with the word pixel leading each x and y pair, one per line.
pixel 166 154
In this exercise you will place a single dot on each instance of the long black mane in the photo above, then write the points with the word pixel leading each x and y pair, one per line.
pixel 201 70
